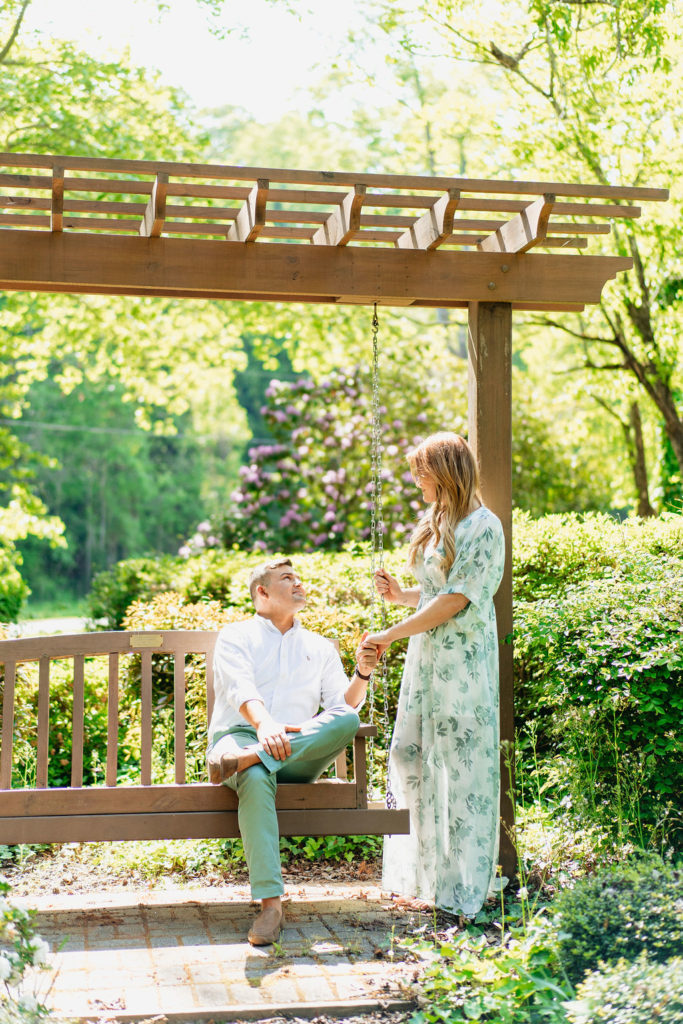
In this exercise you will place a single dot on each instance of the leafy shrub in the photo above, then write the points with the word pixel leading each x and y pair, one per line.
pixel 13 589
pixel 640 992
pixel 310 487
pixel 558 552
pixel 514 981
pixel 134 579
pixel 619 914
pixel 600 671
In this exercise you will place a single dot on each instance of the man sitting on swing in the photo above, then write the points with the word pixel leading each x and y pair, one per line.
pixel 271 677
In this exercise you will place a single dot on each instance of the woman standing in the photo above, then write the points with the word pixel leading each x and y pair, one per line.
pixel 444 760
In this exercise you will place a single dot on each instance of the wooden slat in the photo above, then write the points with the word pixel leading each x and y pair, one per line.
pixel 344 222
pixel 152 223
pixel 360 775
pixel 166 798
pixel 340 767
pixel 210 697
pixel 252 217
pixel 433 227
pixel 77 722
pixel 57 208
pixel 7 725
pixel 556 242
pixel 43 742
pixel 306 177
pixel 113 720
pixel 146 717
pixel 179 716
pixel 308 197
pixel 525 230
pixel 376 820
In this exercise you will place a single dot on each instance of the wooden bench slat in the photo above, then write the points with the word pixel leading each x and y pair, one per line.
pixel 77 721
pixel 7 725
pixel 197 825
pixel 91 644
pixel 112 720
pixel 179 717
pixel 43 743
pixel 146 717
pixel 198 796
pixel 209 688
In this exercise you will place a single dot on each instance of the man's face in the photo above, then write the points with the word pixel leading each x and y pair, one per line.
pixel 284 590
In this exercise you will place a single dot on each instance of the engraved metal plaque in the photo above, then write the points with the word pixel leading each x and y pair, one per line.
pixel 139 640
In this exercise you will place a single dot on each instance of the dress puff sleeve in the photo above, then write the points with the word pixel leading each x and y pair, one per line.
pixel 479 558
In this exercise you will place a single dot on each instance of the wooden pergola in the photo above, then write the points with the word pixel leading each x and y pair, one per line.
pixel 133 227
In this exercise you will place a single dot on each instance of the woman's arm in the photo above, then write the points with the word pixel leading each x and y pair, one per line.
pixel 439 610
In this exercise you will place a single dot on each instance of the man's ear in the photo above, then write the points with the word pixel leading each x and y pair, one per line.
pixel 261 591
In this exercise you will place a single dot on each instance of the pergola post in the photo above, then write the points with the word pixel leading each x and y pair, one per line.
pixel 490 434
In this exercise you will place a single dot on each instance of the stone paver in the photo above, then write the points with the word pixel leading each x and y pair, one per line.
pixel 179 952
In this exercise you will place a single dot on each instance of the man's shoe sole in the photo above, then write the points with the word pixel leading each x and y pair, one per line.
pixel 221 770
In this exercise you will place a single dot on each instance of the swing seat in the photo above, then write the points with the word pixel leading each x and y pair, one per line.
pixel 107 810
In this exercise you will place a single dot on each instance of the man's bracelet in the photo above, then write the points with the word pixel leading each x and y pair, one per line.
pixel 361 676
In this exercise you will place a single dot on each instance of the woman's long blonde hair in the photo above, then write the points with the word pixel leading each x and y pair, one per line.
pixel 449 461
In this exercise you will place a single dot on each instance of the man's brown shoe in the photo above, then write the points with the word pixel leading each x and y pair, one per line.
pixel 266 927
pixel 222 768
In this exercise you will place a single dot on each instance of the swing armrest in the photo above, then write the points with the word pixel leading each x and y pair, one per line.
pixel 367 730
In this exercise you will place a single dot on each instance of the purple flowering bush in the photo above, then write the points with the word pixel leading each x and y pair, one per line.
pixel 311 487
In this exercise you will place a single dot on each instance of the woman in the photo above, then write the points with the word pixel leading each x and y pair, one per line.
pixel 444 759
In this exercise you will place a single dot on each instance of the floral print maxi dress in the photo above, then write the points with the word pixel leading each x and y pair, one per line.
pixel 444 762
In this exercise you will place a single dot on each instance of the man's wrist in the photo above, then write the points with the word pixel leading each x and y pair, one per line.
pixel 360 674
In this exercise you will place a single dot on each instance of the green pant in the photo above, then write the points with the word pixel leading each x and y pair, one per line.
pixel 313 750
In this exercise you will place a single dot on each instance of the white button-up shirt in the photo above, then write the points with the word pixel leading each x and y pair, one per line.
pixel 293 673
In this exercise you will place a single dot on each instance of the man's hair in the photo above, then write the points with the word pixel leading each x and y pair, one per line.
pixel 260 576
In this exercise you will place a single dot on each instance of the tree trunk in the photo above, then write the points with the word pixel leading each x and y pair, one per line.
pixel 644 508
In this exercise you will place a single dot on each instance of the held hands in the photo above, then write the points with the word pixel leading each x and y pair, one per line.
pixel 387 586
pixel 366 656
pixel 379 642
pixel 273 738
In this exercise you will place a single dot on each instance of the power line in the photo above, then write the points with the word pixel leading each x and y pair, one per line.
pixel 139 432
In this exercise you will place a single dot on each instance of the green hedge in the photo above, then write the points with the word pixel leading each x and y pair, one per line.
pixel 598 647
pixel 599 671
pixel 631 993
pixel 620 913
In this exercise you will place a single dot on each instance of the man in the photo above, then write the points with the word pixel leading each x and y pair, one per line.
pixel 271 676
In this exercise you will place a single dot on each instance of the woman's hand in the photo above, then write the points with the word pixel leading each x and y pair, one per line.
pixel 379 641
pixel 388 586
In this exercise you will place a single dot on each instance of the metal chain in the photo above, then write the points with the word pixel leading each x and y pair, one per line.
pixel 377 605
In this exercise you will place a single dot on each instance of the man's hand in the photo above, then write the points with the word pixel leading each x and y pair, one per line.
pixel 273 738
pixel 366 656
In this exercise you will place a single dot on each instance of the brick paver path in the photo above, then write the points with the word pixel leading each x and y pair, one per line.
pixel 182 952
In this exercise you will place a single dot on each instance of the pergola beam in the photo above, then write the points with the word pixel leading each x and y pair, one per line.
pixel 191 267
pixel 522 232
pixel 251 218
pixel 434 227
pixel 344 222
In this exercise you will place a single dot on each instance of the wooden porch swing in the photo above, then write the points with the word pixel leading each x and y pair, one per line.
pixel 129 227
